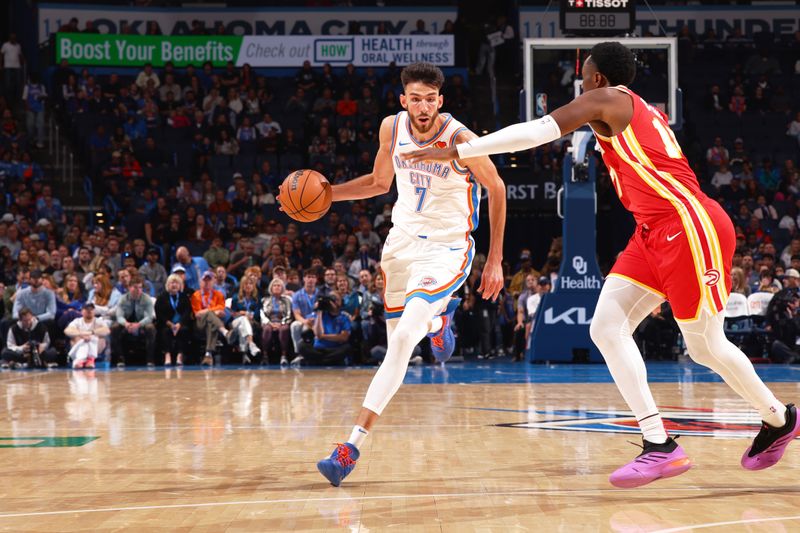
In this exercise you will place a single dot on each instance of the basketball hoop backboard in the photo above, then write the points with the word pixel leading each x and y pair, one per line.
pixel 553 66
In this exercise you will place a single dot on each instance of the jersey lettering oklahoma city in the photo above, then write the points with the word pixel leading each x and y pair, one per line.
pixel 436 201
pixel 654 181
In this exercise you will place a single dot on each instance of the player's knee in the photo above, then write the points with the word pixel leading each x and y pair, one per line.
pixel 402 338
pixel 706 350
pixel 602 330
pixel 596 329
pixel 700 354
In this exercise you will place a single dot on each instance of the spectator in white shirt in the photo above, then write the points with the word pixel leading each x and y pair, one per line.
pixel 13 60
pixel 794 126
pixel 722 176
pixel 88 335
pixel 169 87
pixel 146 76
pixel 268 125
pixel 535 299
pixel 763 211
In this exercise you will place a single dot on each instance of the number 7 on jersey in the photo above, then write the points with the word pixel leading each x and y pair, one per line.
pixel 421 192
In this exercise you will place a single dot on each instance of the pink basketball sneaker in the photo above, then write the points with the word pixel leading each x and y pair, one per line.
pixel 656 461
pixel 770 443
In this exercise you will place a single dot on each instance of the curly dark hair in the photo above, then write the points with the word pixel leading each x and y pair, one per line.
pixel 615 61
pixel 426 73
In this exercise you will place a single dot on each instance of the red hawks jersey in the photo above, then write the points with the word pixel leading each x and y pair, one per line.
pixel 651 175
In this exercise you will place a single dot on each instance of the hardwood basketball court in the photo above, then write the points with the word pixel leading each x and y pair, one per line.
pixel 493 447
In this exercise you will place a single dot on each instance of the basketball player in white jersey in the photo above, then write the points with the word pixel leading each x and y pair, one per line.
pixel 428 253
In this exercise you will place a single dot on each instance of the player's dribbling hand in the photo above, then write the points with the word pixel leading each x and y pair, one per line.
pixel 280 205
pixel 431 154
pixel 491 280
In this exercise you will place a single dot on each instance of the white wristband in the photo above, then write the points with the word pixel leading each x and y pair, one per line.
pixel 512 138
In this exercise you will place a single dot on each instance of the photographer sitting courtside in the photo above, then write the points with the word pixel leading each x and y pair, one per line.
pixel 41 301
pixel 28 344
pixel 331 333
pixel 783 320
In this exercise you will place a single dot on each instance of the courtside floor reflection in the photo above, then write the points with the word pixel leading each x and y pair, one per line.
pixel 494 446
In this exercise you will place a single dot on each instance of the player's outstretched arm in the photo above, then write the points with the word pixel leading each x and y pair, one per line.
pixel 379 181
pixel 486 173
pixel 590 106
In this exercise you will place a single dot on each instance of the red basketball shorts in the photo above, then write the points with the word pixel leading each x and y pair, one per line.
pixel 685 259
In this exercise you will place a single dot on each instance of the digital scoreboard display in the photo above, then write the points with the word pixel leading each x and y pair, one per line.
pixel 597 17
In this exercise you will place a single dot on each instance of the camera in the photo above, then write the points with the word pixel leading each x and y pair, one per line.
pixel 35 357
pixel 376 306
pixel 325 304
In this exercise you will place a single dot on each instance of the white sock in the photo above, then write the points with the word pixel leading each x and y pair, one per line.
pixel 358 436
pixel 653 429
pixel 775 416
pixel 436 324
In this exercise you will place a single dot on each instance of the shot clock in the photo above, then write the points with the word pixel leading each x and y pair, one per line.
pixel 591 18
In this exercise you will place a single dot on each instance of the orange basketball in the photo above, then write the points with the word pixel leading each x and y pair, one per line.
pixel 306 195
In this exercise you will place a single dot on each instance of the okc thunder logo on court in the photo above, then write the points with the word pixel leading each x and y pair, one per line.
pixel 711 277
pixel 427 281
pixel 677 420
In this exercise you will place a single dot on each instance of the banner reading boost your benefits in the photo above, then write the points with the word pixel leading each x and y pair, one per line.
pixel 256 50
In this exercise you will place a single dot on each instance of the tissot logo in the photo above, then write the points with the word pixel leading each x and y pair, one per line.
pixel 598 3
pixel 677 420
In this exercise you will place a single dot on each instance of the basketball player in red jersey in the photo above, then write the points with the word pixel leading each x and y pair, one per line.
pixel 681 251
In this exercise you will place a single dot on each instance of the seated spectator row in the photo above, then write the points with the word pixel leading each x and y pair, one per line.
pixel 332 323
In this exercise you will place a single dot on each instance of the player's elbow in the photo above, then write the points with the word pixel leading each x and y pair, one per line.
pixel 496 188
pixel 381 185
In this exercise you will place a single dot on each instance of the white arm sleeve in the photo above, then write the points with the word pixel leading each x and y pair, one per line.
pixel 512 139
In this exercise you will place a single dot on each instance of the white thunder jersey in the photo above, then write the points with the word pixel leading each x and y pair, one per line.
pixel 436 201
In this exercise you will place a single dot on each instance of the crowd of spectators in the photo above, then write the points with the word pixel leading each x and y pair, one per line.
pixel 193 262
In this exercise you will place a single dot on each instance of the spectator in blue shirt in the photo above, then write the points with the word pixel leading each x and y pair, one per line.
pixel 100 141
pixel 135 127
pixel 303 303
pixel 193 266
pixel 34 95
pixel 331 332
pixel 49 207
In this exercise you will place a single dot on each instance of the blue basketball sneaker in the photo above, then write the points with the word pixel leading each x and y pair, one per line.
pixel 341 462
pixel 443 343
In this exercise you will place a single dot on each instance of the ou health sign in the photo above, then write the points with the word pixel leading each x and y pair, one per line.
pixel 257 51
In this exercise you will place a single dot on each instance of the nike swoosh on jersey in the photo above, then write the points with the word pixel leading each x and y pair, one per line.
pixel 671 238
pixel 403 144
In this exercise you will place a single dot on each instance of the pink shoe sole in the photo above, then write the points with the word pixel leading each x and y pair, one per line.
pixel 773 454
pixel 650 467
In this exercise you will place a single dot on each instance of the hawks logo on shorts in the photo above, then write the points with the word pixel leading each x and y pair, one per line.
pixel 682 420
pixel 711 276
